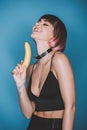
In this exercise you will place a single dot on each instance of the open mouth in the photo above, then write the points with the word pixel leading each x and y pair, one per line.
pixel 36 29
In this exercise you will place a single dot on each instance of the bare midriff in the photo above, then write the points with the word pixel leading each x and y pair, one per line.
pixel 50 114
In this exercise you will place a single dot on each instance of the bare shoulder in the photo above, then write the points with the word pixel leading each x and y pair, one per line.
pixel 61 65
pixel 60 58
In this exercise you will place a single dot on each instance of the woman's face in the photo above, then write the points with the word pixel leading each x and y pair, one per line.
pixel 42 30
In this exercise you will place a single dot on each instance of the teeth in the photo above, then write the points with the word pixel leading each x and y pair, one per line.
pixel 36 30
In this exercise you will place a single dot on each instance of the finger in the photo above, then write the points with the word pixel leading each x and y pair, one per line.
pixel 17 68
pixel 13 72
pixel 21 62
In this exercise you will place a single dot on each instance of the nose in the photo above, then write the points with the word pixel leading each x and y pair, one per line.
pixel 38 24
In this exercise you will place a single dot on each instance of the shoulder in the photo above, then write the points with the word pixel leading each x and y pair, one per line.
pixel 60 61
pixel 61 66
pixel 59 57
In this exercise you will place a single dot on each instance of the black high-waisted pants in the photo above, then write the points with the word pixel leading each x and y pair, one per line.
pixel 39 123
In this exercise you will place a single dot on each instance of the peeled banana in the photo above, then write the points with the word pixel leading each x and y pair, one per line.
pixel 27 56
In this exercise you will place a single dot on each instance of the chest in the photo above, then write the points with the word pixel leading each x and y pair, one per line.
pixel 50 87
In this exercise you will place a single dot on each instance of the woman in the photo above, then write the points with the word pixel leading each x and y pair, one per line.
pixel 50 98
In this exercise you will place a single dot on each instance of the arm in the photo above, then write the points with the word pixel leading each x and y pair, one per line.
pixel 66 80
pixel 19 75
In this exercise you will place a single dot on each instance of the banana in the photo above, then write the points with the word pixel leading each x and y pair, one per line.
pixel 27 55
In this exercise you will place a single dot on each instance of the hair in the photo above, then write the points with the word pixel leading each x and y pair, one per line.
pixel 60 33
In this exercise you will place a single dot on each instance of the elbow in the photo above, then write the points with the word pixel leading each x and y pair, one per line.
pixel 73 108
pixel 27 115
pixel 28 112
pixel 70 107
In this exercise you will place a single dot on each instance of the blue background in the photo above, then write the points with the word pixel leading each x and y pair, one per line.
pixel 17 18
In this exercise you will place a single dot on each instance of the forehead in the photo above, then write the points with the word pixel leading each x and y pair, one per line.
pixel 52 21
pixel 43 20
pixel 46 21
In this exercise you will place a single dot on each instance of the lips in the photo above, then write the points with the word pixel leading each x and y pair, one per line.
pixel 36 29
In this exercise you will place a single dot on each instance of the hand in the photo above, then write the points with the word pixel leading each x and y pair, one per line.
pixel 19 75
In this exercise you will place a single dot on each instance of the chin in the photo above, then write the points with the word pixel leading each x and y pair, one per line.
pixel 33 36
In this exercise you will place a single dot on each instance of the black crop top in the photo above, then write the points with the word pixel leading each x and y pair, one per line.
pixel 50 97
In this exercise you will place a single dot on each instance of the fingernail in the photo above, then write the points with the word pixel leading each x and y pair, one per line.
pixel 12 72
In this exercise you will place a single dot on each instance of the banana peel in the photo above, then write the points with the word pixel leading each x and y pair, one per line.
pixel 27 55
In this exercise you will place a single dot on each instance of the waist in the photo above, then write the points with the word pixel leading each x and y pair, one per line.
pixel 50 114
pixel 49 105
pixel 41 123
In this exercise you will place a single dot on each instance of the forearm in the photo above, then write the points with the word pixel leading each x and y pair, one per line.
pixel 25 103
pixel 68 119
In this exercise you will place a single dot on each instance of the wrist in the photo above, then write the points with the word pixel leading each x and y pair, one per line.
pixel 20 88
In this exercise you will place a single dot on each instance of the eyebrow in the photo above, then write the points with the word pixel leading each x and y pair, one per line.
pixel 43 20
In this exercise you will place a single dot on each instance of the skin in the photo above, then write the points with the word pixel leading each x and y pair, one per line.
pixel 42 33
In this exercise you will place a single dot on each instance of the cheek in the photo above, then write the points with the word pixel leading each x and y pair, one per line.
pixel 48 34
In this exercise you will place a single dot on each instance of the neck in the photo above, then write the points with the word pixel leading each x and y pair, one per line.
pixel 43 54
pixel 42 47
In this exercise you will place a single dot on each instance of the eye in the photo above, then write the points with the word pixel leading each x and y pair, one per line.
pixel 45 24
